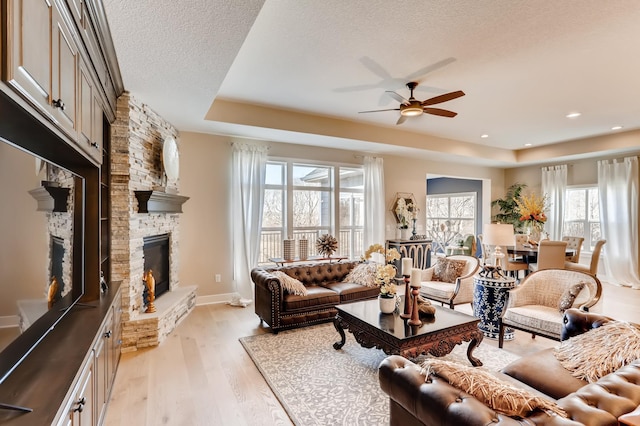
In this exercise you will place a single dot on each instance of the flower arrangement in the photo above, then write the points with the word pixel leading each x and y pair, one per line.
pixel 405 211
pixel 326 245
pixel 384 276
pixel 531 209
pixel 389 255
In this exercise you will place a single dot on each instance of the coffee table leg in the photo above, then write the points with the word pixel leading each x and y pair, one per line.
pixel 472 346
pixel 338 326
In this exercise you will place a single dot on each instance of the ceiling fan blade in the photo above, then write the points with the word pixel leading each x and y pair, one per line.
pixel 443 98
pixel 397 97
pixel 421 72
pixel 401 119
pixel 379 110
pixel 440 112
pixel 375 68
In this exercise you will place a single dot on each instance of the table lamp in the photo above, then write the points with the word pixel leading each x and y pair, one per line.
pixel 498 234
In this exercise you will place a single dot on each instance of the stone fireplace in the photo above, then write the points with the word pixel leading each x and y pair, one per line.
pixel 156 259
pixel 136 166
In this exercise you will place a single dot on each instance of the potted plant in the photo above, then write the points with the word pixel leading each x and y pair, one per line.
pixel 508 206
pixel 387 298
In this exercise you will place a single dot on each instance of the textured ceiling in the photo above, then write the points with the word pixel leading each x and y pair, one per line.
pixel 523 64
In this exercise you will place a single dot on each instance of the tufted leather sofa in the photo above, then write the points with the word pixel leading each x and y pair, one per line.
pixel 325 289
pixel 415 402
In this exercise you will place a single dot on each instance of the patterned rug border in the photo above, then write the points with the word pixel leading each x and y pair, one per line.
pixel 289 355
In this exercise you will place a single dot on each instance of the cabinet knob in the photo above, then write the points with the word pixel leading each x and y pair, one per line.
pixel 80 406
pixel 95 145
pixel 58 104
pixel 107 334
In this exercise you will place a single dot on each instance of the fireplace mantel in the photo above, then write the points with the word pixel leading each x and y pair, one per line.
pixel 51 197
pixel 159 202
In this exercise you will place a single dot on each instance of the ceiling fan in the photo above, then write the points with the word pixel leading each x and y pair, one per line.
pixel 413 107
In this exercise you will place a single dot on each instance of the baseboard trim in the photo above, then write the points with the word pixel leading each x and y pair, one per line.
pixel 213 299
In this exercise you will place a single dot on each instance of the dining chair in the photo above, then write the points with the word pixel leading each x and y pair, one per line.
pixel 551 255
pixel 575 244
pixel 513 266
pixel 592 268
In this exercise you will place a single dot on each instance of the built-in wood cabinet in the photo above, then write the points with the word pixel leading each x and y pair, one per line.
pixel 58 68
pixel 87 403
pixel 54 62
pixel 42 62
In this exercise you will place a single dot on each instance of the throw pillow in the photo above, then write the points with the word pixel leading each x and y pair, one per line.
pixel 290 284
pixel 488 389
pixel 569 295
pixel 448 270
pixel 598 352
pixel 363 274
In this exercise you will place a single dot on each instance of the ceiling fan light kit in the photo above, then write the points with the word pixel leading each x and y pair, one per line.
pixel 413 108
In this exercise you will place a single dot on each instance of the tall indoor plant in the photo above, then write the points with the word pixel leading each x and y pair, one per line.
pixel 508 206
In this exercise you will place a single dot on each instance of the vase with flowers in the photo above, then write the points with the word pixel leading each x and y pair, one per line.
pixel 387 298
pixel 531 209
pixel 406 212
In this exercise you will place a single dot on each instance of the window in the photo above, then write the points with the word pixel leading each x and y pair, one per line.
pixel 300 203
pixel 582 215
pixel 449 217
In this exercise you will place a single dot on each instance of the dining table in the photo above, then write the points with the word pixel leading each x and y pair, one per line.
pixel 530 254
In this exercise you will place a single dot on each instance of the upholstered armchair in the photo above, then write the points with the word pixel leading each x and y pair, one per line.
pixel 450 280
pixel 538 303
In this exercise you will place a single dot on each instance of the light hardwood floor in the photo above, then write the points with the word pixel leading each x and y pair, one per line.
pixel 201 375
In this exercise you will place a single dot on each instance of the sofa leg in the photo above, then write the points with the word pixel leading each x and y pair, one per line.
pixel 501 335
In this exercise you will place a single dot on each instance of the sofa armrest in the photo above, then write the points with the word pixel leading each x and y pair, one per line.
pixel 575 322
pixel 268 296
pixel 432 403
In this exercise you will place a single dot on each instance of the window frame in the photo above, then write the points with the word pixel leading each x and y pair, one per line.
pixel 588 244
pixel 333 190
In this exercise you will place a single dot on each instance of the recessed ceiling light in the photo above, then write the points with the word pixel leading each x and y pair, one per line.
pixel 573 115
pixel 616 128
pixel 527 144
pixel 484 136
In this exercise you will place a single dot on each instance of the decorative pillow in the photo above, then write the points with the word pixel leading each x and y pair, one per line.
pixel 290 284
pixel 598 352
pixel 448 270
pixel 569 295
pixel 363 274
pixel 488 389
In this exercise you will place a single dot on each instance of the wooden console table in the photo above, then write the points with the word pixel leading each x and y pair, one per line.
pixel 280 261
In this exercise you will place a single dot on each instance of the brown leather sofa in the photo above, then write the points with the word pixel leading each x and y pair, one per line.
pixel 416 402
pixel 325 289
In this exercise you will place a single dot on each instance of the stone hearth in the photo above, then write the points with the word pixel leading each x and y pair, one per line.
pixel 136 151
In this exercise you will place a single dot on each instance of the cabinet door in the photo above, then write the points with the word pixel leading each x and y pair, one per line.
pixel 97 128
pixel 85 108
pixel 102 365
pixel 64 71
pixel 80 408
pixel 30 55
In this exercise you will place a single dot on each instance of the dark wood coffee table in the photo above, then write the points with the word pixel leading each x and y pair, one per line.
pixel 437 335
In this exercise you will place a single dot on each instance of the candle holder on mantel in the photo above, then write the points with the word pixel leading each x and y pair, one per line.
pixel 406 314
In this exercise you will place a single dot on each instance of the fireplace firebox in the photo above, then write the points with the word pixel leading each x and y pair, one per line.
pixel 156 258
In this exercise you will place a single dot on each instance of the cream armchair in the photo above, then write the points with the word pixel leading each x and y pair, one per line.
pixel 534 306
pixel 456 291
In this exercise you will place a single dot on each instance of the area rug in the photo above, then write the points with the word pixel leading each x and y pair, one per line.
pixel 318 385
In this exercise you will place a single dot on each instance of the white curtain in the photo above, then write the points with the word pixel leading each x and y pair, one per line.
pixel 374 232
pixel 248 171
pixel 554 186
pixel 618 188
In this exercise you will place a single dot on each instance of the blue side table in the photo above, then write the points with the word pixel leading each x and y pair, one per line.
pixel 489 300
